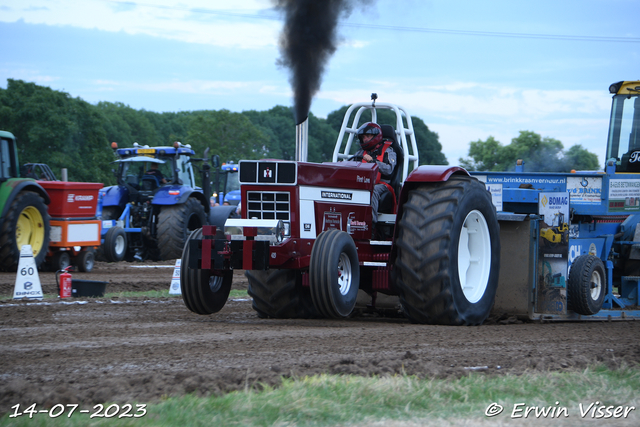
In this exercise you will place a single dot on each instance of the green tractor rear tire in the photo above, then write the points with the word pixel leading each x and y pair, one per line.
pixel 26 223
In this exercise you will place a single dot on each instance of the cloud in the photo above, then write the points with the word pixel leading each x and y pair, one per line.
pixel 122 6
pixel 217 23
pixel 26 75
pixel 462 112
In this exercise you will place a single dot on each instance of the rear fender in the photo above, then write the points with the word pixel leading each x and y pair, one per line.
pixel 427 174
pixel 168 195
pixel 115 196
pixel 12 187
pixel 219 215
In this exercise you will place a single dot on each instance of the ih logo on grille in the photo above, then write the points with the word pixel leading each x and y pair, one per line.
pixel 268 173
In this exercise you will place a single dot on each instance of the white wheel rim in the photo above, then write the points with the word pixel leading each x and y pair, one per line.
pixel 119 244
pixel 596 285
pixel 474 256
pixel 344 274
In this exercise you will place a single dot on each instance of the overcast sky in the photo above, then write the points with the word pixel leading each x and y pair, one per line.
pixel 469 69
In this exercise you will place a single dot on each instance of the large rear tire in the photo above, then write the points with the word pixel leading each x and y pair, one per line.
pixel 175 223
pixel 202 292
pixel 26 223
pixel 279 294
pixel 587 285
pixel 334 274
pixel 448 253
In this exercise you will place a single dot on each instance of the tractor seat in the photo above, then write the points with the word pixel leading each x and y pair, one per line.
pixel 149 183
pixel 386 203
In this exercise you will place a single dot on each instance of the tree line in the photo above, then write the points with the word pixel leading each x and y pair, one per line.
pixel 65 132
pixel 539 155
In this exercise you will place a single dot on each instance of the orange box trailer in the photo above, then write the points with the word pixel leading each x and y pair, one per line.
pixel 75 230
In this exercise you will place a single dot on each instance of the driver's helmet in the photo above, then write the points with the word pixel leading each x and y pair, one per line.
pixel 370 128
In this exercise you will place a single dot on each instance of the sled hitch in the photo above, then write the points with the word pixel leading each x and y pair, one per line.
pixel 244 245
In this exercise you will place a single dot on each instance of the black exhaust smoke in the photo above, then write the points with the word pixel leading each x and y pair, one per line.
pixel 307 42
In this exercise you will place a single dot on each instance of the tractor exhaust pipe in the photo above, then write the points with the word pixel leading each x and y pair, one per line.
pixel 302 140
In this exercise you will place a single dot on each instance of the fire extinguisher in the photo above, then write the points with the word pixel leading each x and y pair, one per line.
pixel 64 282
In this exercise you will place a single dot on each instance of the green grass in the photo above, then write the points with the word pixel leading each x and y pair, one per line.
pixel 328 400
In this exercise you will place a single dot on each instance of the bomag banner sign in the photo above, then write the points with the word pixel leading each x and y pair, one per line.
pixel 553 253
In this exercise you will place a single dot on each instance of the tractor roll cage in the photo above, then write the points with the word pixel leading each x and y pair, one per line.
pixel 409 146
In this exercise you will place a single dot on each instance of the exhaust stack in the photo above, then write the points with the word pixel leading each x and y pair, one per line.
pixel 302 140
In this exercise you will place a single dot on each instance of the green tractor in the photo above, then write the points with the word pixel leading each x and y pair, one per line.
pixel 24 216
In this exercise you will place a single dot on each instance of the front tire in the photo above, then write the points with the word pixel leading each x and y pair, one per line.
pixel 334 274
pixel 85 260
pixel 587 285
pixel 279 294
pixel 26 223
pixel 114 247
pixel 202 292
pixel 448 253
pixel 60 260
pixel 175 223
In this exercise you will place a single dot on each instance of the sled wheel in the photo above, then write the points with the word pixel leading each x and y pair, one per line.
pixel 115 244
pixel 25 222
pixel 279 294
pixel 175 223
pixel 60 260
pixel 587 285
pixel 202 292
pixel 448 253
pixel 85 260
pixel 334 274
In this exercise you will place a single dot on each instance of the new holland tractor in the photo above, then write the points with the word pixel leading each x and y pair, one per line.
pixel 305 236
pixel 150 215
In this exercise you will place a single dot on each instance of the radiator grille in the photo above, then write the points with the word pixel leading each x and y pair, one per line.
pixel 269 205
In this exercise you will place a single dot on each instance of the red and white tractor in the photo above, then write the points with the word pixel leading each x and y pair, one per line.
pixel 305 241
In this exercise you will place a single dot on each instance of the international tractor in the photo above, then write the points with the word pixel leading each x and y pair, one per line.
pixel 305 236
pixel 150 215
pixel 456 248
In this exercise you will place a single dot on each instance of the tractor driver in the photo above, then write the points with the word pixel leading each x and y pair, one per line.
pixel 153 170
pixel 375 149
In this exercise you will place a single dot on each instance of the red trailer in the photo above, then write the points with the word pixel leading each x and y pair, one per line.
pixel 75 230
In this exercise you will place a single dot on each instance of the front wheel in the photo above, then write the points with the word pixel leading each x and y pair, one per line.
pixel 448 253
pixel 202 292
pixel 334 274
pixel 60 260
pixel 587 285
pixel 114 247
pixel 85 260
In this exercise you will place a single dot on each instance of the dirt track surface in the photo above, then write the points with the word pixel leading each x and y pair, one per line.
pixel 91 351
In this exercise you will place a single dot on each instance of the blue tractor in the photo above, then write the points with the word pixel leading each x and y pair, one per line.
pixel 156 203
pixel 228 185
pixel 571 241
